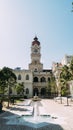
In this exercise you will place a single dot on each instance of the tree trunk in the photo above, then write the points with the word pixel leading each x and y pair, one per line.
pixel 8 96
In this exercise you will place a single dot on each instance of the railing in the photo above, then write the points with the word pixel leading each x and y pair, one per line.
pixel 40 84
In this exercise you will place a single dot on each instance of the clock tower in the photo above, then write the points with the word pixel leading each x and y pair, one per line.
pixel 35 64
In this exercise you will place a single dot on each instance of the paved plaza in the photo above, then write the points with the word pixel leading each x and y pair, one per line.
pixel 61 114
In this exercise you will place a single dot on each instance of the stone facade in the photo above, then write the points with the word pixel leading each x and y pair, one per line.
pixel 56 69
pixel 66 60
pixel 35 79
pixel 25 77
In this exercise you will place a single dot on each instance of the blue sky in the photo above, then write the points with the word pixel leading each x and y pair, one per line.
pixel 21 20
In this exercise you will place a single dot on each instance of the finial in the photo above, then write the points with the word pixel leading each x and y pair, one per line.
pixel 35 38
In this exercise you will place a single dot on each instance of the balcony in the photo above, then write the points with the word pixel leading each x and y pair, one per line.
pixel 42 84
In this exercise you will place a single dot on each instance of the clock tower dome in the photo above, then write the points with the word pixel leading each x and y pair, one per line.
pixel 35 64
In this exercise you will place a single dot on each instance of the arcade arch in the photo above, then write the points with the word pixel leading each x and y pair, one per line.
pixel 43 79
pixel 35 92
pixel 43 91
pixel 35 79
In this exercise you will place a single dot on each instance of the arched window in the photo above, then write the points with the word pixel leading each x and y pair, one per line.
pixel 19 77
pixel 27 91
pixel 48 79
pixel 35 92
pixel 10 90
pixel 35 62
pixel 43 91
pixel 35 70
pixel 27 77
pixel 43 79
pixel 35 79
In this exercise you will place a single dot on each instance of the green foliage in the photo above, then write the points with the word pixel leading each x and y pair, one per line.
pixel 7 77
pixel 65 76
pixel 3 84
pixel 65 91
pixel 20 88
pixel 7 80
pixel 52 88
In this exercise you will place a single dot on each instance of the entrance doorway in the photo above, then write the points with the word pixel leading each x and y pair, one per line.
pixel 43 92
pixel 35 92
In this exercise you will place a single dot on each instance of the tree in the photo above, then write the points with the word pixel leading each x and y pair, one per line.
pixel 20 88
pixel 7 80
pixel 65 76
pixel 3 84
pixel 52 88
pixel 53 85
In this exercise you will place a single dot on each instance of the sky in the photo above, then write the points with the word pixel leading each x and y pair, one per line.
pixel 20 20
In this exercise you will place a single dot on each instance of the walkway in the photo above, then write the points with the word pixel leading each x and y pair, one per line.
pixel 63 113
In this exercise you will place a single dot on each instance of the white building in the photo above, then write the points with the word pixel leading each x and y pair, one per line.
pixel 25 77
pixel 35 79
pixel 57 67
pixel 66 59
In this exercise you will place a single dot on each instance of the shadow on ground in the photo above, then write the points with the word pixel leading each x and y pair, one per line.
pixel 4 126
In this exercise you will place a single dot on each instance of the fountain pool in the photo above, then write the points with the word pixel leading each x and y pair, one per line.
pixel 34 120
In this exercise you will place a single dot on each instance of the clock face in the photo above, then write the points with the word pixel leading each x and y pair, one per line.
pixel 35 50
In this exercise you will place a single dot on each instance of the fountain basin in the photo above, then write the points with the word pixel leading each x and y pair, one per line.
pixel 34 116
pixel 29 120
pixel 36 98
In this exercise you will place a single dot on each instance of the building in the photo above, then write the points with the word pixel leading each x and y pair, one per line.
pixel 35 79
pixel 56 69
pixel 25 77
pixel 66 60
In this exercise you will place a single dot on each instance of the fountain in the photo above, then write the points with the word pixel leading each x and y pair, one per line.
pixel 36 98
pixel 36 119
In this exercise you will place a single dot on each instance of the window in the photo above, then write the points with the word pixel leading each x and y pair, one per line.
pixel 19 77
pixel 35 70
pixel 27 77
pixel 27 91
pixel 35 62
pixel 43 79
pixel 35 79
pixel 48 79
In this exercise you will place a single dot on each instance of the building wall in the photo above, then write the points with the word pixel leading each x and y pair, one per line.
pixel 35 71
pixel 56 69
pixel 25 77
pixel 66 59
